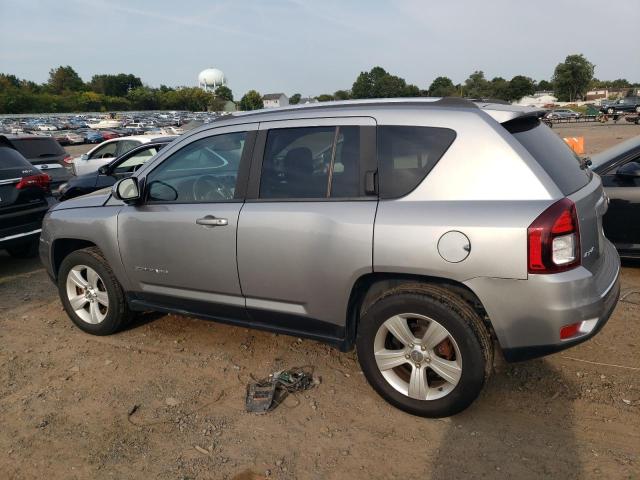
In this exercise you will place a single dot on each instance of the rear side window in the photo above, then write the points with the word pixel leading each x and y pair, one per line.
pixel 37 148
pixel 311 162
pixel 406 155
pixel 10 158
pixel 550 151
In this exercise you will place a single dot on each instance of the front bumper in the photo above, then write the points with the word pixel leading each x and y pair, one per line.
pixel 527 315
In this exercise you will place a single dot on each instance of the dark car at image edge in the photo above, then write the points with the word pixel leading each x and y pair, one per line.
pixel 619 168
pixel 24 200
pixel 46 154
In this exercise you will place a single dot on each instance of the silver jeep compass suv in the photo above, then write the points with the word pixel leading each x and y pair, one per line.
pixel 422 232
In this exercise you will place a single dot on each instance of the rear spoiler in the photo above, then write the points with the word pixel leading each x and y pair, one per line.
pixel 504 113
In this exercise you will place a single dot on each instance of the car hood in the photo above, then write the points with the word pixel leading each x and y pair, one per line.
pixel 93 199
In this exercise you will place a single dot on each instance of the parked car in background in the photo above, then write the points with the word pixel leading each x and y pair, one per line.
pixel 310 221
pixel 107 151
pixel 92 136
pixel 627 104
pixel 46 154
pixel 24 199
pixel 68 138
pixel 107 175
pixel 619 167
pixel 560 113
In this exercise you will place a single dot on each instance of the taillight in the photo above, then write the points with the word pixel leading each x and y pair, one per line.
pixel 41 181
pixel 68 159
pixel 554 239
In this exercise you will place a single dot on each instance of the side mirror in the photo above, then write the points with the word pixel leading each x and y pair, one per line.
pixel 84 156
pixel 103 170
pixel 629 170
pixel 127 190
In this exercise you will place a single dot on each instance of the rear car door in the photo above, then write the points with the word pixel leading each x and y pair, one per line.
pixel 179 246
pixel 305 233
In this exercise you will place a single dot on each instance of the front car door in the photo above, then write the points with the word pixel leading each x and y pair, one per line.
pixel 179 245
pixel 306 231
pixel 621 223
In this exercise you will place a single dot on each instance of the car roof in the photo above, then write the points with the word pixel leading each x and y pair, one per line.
pixel 500 112
pixel 618 150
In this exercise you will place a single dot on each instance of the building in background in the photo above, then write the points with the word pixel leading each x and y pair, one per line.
pixel 275 100
pixel 210 79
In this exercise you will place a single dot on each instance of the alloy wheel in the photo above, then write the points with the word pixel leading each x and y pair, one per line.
pixel 417 356
pixel 87 294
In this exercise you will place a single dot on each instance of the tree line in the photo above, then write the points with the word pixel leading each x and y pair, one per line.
pixel 65 91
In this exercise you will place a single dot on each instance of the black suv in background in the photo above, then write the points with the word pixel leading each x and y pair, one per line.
pixel 627 104
pixel 46 154
pixel 24 199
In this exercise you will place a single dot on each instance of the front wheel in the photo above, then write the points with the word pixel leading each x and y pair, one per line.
pixel 91 294
pixel 424 350
pixel 610 111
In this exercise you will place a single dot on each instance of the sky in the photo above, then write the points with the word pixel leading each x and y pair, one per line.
pixel 314 47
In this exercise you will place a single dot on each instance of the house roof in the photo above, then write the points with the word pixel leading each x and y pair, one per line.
pixel 273 96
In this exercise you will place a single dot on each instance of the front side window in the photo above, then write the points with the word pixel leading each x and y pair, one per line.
pixel 311 162
pixel 206 170
pixel 407 154
pixel 134 162
pixel 106 151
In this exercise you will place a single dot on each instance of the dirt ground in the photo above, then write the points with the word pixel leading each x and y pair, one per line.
pixel 165 399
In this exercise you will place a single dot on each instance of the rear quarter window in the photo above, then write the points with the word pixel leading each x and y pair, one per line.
pixel 550 151
pixel 10 158
pixel 407 154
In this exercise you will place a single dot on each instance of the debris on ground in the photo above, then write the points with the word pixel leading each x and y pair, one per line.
pixel 266 394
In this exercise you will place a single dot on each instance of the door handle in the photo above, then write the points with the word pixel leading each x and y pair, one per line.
pixel 211 221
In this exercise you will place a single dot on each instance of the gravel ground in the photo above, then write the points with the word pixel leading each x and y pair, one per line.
pixel 165 399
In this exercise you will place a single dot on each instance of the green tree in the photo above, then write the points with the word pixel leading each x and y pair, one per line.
pixel 295 99
pixel 571 78
pixel 442 87
pixel 520 86
pixel 114 85
pixel 223 92
pixel 325 97
pixel 499 88
pixel 341 95
pixel 545 85
pixel 378 83
pixel 251 100
pixel 476 86
pixel 64 79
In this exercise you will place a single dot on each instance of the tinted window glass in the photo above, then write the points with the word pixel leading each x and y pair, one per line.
pixel 299 161
pixel 38 147
pixel 553 155
pixel 204 171
pixel 407 154
pixel 10 158
pixel 296 163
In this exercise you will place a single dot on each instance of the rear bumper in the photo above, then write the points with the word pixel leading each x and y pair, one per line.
pixel 527 315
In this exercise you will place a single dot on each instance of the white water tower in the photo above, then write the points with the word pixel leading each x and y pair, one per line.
pixel 210 79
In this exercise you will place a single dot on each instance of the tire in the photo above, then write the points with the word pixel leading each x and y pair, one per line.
pixel 468 346
pixel 108 311
pixel 24 250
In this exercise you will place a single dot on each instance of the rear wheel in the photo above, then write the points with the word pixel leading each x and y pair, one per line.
pixel 24 250
pixel 610 111
pixel 424 350
pixel 91 294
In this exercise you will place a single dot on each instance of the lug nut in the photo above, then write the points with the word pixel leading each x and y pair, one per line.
pixel 407 357
pixel 423 348
pixel 411 345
